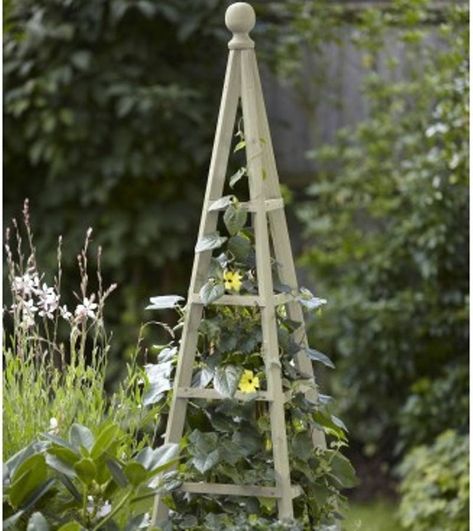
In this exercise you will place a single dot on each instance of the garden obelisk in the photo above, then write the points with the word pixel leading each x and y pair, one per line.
pixel 266 206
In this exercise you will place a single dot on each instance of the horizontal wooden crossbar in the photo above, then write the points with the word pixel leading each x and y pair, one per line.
pixel 226 489
pixel 250 206
pixel 212 394
pixel 246 300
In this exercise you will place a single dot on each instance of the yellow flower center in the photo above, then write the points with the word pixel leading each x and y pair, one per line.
pixel 249 383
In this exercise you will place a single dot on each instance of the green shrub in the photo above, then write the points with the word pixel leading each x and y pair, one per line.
pixel 434 404
pixel 86 482
pixel 386 222
pixel 435 485
pixel 110 108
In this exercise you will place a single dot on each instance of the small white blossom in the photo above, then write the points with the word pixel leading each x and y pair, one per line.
pixel 105 509
pixel 90 504
pixel 28 309
pixel 65 313
pixel 86 309
pixel 26 284
pixel 53 425
pixel 48 301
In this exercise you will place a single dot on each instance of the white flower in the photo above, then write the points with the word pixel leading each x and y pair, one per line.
pixel 86 309
pixel 104 510
pixel 48 301
pixel 53 423
pixel 28 309
pixel 65 313
pixel 26 284
pixel 90 504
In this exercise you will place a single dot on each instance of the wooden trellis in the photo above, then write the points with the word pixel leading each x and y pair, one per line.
pixel 266 206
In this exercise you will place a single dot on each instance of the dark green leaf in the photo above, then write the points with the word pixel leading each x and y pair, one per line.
pixel 343 471
pixel 222 203
pixel 117 471
pixel 318 356
pixel 163 457
pixel 235 218
pixel 81 436
pixel 202 377
pixel 108 435
pixel 29 475
pixel 86 470
pixel 136 473
pixel 211 291
pixel 204 462
pixel 56 463
pixel 240 247
pixel 209 242
pixel 226 380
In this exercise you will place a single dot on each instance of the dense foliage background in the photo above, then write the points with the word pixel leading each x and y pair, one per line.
pixel 110 107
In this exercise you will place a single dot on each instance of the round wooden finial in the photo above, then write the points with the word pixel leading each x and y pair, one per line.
pixel 240 20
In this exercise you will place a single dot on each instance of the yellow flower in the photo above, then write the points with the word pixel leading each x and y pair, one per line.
pixel 249 383
pixel 232 280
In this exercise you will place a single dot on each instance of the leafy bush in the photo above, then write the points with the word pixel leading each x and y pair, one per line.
pixel 387 217
pixel 435 485
pixel 110 109
pixel 434 404
pixel 85 482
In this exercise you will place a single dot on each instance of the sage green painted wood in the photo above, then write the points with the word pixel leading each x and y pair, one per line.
pixel 208 224
pixel 212 394
pixel 270 345
pixel 228 489
pixel 270 204
pixel 282 246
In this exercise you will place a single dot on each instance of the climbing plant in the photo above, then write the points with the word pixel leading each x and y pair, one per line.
pixel 229 441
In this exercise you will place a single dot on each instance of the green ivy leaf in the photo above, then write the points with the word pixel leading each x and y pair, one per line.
pixel 211 291
pixel 235 218
pixel 240 247
pixel 204 463
pixel 319 356
pixel 226 380
pixel 222 203
pixel 209 242
pixel 202 377
pixel 343 471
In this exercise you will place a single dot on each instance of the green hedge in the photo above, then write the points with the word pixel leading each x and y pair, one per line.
pixel 435 485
